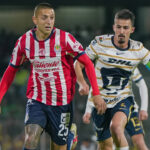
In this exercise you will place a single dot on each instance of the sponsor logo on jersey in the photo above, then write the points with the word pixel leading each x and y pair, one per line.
pixel 111 101
pixel 51 78
pixel 46 66
pixel 41 52
pixel 122 62
pixel 119 53
pixel 38 64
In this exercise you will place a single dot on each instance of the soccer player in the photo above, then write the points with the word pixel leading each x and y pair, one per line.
pixel 50 87
pixel 116 57
pixel 134 126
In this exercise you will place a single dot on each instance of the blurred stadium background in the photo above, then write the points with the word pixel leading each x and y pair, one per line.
pixel 84 19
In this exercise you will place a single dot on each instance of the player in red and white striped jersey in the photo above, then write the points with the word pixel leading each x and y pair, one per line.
pixel 51 53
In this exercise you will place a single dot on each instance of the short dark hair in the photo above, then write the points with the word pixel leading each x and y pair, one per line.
pixel 125 14
pixel 41 6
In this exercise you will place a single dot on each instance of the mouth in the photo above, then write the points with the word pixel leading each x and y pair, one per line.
pixel 48 28
pixel 121 36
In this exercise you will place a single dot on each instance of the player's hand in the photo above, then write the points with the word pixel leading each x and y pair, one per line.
pixel 143 115
pixel 83 88
pixel 86 118
pixel 100 104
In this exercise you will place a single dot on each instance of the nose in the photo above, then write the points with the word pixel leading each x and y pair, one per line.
pixel 48 20
pixel 121 30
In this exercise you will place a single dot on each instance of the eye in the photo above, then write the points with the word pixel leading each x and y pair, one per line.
pixel 126 27
pixel 118 27
pixel 44 17
pixel 51 18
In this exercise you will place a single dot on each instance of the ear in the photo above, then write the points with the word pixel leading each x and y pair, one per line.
pixel 133 29
pixel 34 20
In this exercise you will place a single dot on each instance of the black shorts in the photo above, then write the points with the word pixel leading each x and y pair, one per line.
pixel 134 125
pixel 102 122
pixel 56 120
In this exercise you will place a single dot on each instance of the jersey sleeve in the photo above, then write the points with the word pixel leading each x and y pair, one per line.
pixel 74 48
pixel 89 106
pixel 136 76
pixel 18 56
pixel 146 56
pixel 140 83
pixel 6 80
pixel 91 49
pixel 143 94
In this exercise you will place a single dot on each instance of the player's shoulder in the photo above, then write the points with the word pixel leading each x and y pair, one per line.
pixel 21 41
pixel 136 45
pixel 26 35
pixel 104 40
pixel 60 30
pixel 65 34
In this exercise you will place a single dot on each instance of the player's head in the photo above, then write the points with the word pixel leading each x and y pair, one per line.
pixel 123 26
pixel 44 18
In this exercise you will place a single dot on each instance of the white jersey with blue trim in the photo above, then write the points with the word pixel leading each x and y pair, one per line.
pixel 114 66
pixel 136 77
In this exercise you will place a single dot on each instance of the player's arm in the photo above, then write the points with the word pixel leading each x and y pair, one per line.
pixel 83 86
pixel 143 90
pixel 74 47
pixel 6 80
pixel 88 111
pixel 17 59
pixel 90 71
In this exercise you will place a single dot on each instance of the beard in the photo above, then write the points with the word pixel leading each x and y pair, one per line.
pixel 121 39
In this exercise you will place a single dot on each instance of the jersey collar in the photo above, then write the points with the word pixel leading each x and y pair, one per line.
pixel 121 49
pixel 34 35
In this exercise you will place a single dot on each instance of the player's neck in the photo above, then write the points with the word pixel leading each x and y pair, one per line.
pixel 41 36
pixel 121 45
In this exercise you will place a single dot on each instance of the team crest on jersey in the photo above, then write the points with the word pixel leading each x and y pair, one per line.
pixel 101 39
pixel 57 48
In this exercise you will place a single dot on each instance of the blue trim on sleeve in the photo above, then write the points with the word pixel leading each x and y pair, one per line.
pixel 13 65
pixel 76 57
pixel 138 80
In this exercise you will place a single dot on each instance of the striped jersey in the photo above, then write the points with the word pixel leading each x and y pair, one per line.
pixel 136 77
pixel 114 66
pixel 52 77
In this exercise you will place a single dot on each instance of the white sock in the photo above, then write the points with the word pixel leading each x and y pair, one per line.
pixel 122 148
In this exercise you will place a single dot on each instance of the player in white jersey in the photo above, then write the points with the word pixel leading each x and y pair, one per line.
pixel 51 85
pixel 116 57
pixel 134 126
